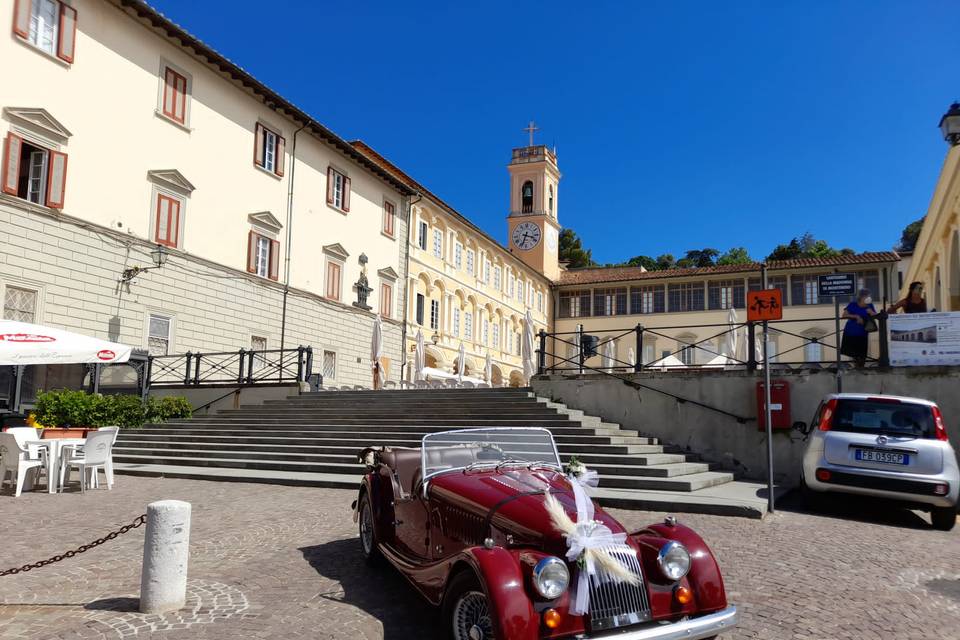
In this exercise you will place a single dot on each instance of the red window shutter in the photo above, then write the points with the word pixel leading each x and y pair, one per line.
pixel 162 221
pixel 56 179
pixel 67 36
pixel 173 231
pixel 258 145
pixel 346 193
pixel 174 95
pixel 279 156
pixel 11 163
pixel 329 185
pixel 21 17
pixel 252 252
pixel 274 260
pixel 181 106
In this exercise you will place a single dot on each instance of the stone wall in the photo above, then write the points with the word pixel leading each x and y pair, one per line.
pixel 719 438
pixel 74 267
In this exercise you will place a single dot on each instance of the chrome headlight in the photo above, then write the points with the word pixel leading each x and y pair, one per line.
pixel 551 577
pixel 674 560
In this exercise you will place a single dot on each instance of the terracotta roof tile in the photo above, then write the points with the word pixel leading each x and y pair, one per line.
pixel 593 275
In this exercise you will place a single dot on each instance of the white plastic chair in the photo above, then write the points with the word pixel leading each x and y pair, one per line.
pixel 71 451
pixel 15 459
pixel 483 385
pixel 389 384
pixel 467 384
pixel 97 451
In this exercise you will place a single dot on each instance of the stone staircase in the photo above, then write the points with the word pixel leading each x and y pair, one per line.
pixel 313 439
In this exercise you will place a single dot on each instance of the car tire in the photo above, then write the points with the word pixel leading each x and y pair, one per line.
pixel 368 532
pixel 465 606
pixel 944 518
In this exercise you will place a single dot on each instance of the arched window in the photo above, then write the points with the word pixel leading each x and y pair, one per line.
pixel 550 201
pixel 526 197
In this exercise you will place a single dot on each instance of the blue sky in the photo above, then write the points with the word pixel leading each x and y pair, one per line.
pixel 678 125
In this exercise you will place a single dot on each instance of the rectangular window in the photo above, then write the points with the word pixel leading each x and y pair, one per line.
pixel 468 325
pixel 269 150
pixel 437 243
pixel 338 190
pixel 329 365
pixel 812 352
pixel 158 336
pixel 174 96
pixel 422 236
pixel 34 173
pixel 263 256
pixel 386 300
pixel 497 278
pixel 458 255
pixel 389 218
pixel 333 280
pixel 869 280
pixel 434 314
pixel 486 332
pixel 773 282
pixel 456 322
pixel 575 304
pixel 486 271
pixel 258 344
pixel 496 336
pixel 687 296
pixel 610 302
pixel 20 304
pixel 647 299
pixel 804 289
pixel 511 282
pixel 726 294
pixel 539 301
pixel 420 309
pixel 529 294
pixel 167 222
pixel 49 25
pixel 471 256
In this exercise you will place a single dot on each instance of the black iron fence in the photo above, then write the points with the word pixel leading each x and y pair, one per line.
pixel 728 346
pixel 245 366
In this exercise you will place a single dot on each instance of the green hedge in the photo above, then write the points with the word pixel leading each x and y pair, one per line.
pixel 64 408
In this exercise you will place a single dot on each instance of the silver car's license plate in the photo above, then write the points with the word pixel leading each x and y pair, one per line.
pixel 886 457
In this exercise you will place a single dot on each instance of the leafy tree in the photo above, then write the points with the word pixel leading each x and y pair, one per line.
pixel 908 239
pixel 646 262
pixel 572 251
pixel 699 258
pixel 666 261
pixel 806 246
pixel 736 255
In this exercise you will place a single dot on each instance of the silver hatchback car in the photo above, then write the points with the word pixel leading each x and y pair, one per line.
pixel 885 446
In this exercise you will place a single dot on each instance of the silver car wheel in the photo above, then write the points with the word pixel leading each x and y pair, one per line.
pixel 366 526
pixel 471 617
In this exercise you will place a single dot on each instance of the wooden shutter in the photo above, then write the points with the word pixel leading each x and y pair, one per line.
pixel 346 193
pixel 330 185
pixel 21 17
pixel 258 145
pixel 174 230
pixel 274 260
pixel 386 300
pixel 251 252
pixel 333 280
pixel 279 156
pixel 11 163
pixel 67 36
pixel 56 179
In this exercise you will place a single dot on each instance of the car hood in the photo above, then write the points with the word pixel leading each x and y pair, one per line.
pixel 512 502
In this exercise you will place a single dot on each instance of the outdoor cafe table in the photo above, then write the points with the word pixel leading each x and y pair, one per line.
pixel 54 447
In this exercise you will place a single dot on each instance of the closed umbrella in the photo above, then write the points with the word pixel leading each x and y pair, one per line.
pixel 22 343
pixel 731 338
pixel 632 358
pixel 461 362
pixel 529 368
pixel 608 356
pixel 488 370
pixel 419 358
pixel 376 353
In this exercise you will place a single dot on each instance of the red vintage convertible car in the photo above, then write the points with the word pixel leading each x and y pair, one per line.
pixel 484 524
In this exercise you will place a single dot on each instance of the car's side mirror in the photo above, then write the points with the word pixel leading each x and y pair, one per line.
pixel 801 427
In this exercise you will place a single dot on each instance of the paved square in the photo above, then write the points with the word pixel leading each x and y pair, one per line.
pixel 282 562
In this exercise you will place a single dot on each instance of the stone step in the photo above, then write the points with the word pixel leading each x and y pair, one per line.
pixel 524 410
pixel 670 470
pixel 691 482
pixel 451 421
pixel 444 394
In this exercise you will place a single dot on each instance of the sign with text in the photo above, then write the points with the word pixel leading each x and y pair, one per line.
pixel 837 284
pixel 764 305
pixel 919 339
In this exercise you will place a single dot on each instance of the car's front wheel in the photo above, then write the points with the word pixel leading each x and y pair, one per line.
pixel 368 533
pixel 466 611
pixel 944 518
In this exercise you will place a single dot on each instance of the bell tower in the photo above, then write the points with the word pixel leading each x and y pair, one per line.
pixel 532 224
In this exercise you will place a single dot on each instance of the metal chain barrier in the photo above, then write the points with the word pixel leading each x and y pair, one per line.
pixel 137 522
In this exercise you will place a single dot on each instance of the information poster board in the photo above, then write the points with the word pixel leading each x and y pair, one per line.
pixel 918 339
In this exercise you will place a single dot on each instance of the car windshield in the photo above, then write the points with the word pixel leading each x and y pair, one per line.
pixel 487 448
pixel 891 417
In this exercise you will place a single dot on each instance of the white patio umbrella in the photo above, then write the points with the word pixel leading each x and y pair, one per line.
pixel 529 368
pixel 488 369
pixel 669 362
pixel 419 358
pixel 376 353
pixel 22 343
pixel 731 338
pixel 608 355
pixel 461 362
pixel 631 358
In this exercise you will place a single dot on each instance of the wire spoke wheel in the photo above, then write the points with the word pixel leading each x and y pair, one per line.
pixel 471 617
pixel 366 526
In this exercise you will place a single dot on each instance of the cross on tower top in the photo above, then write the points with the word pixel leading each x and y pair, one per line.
pixel 531 128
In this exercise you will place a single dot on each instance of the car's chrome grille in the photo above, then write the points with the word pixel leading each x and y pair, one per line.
pixel 614 603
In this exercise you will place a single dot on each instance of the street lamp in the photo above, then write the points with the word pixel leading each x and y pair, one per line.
pixel 435 338
pixel 950 125
pixel 159 255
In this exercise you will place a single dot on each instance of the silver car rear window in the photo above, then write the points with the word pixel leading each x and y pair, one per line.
pixel 884 416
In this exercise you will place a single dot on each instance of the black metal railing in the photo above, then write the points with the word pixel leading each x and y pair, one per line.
pixel 245 366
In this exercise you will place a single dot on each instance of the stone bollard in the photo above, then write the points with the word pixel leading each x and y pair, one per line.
pixel 166 551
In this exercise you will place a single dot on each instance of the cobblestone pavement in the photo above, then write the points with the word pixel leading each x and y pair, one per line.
pixel 282 562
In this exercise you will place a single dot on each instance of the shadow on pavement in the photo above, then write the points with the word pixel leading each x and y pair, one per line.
pixel 380 592
pixel 857 508
pixel 120 605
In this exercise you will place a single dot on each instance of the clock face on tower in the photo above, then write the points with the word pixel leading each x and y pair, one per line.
pixel 526 236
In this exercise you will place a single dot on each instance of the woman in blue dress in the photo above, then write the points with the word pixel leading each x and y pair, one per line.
pixel 858 314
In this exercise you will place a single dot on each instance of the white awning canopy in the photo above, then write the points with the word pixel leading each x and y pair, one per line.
pixel 22 343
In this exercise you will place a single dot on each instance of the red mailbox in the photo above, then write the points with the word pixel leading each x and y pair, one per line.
pixel 779 405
